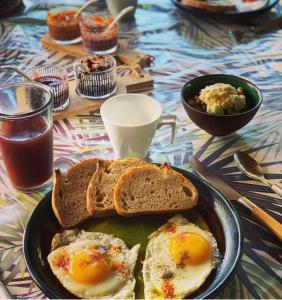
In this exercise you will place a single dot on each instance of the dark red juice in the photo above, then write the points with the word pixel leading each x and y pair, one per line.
pixel 26 146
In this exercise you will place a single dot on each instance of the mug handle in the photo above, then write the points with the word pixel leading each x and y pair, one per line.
pixel 167 120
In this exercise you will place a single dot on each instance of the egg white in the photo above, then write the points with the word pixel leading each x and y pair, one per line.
pixel 185 280
pixel 114 287
pixel 248 6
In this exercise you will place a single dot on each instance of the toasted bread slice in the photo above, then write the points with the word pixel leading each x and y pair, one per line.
pixel 100 192
pixel 210 5
pixel 69 193
pixel 152 190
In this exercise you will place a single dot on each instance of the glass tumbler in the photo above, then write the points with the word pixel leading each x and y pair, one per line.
pixel 63 25
pixel 56 78
pixel 96 76
pixel 95 38
pixel 26 137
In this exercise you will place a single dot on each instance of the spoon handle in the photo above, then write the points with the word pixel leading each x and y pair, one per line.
pixel 269 222
pixel 277 189
pixel 84 6
pixel 119 16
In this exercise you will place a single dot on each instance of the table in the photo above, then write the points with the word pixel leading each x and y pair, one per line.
pixel 184 46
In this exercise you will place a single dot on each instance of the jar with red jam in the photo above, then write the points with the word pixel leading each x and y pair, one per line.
pixel 63 25
pixel 95 38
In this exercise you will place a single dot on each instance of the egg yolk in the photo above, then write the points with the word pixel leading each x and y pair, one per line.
pixel 89 267
pixel 189 248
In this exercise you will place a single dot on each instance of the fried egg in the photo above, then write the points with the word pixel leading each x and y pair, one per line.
pixel 179 257
pixel 96 265
pixel 249 5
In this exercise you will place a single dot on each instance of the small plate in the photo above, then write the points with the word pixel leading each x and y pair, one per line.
pixel 268 6
pixel 213 212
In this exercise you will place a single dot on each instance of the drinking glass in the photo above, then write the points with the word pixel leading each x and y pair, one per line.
pixel 63 25
pixel 95 38
pixel 56 78
pixel 26 138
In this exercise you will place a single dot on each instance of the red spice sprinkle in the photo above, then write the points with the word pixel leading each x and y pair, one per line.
pixel 93 257
pixel 183 235
pixel 168 289
pixel 122 269
pixel 184 257
pixel 170 228
pixel 63 262
pixel 119 267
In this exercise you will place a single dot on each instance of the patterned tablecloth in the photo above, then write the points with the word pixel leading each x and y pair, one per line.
pixel 184 46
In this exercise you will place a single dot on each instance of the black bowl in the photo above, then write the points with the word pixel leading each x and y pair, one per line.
pixel 221 125
pixel 217 212
pixel 234 15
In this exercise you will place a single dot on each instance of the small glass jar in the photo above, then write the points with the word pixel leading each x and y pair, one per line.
pixel 95 39
pixel 96 76
pixel 63 25
pixel 56 78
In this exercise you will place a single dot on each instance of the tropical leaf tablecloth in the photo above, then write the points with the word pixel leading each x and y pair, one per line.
pixel 184 46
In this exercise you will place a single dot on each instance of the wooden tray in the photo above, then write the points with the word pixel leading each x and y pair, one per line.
pixel 80 105
pixel 127 83
pixel 128 56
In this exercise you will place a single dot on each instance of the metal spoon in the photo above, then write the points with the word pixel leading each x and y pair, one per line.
pixel 252 169
pixel 15 69
pixel 119 16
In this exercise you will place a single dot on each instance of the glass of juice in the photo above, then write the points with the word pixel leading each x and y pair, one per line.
pixel 26 138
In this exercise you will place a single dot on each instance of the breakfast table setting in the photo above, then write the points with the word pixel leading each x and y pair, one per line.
pixel 166 59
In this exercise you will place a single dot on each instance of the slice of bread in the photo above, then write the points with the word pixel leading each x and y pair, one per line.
pixel 69 193
pixel 152 190
pixel 211 5
pixel 100 192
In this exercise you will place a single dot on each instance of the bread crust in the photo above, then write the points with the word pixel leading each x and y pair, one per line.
pixel 105 167
pixel 58 179
pixel 209 6
pixel 90 197
pixel 165 169
pixel 63 185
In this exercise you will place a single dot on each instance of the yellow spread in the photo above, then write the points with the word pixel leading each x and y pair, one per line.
pixel 221 96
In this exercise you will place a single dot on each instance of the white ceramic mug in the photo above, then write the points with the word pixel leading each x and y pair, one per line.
pixel 115 6
pixel 131 121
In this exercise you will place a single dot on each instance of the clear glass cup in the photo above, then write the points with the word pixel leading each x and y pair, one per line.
pixel 63 25
pixel 26 137
pixel 94 38
pixel 56 78
pixel 96 76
